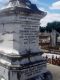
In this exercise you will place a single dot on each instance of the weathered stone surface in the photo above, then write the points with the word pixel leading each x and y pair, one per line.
pixel 20 56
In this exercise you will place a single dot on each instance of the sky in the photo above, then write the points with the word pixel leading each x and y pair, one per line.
pixel 52 7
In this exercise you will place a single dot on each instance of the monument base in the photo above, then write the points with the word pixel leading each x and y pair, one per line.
pixel 30 71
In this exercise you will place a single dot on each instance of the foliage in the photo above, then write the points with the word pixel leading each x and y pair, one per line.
pixel 51 26
pixel 42 29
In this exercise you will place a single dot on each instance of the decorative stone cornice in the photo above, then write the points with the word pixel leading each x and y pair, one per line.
pixel 21 6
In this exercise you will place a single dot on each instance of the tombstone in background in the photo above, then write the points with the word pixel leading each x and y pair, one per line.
pixel 20 56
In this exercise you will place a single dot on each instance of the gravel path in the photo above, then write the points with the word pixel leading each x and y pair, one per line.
pixel 55 70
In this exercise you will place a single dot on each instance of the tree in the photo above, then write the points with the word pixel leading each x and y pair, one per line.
pixel 42 29
pixel 53 26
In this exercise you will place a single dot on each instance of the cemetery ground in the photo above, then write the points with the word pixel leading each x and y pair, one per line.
pixel 55 70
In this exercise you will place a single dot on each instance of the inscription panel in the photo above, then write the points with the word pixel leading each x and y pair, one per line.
pixel 29 36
